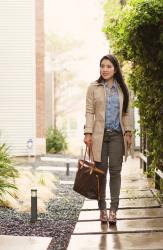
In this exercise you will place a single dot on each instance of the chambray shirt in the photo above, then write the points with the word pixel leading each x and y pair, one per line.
pixel 112 107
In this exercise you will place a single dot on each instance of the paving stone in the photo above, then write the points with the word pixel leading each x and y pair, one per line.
pixel 124 214
pixel 51 168
pixel 140 221
pixel 8 242
pixel 66 182
pixel 132 194
pixel 127 203
pixel 129 185
pixel 59 159
pixel 134 241
pixel 122 226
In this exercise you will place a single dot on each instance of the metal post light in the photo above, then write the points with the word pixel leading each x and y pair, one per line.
pixel 67 168
pixel 33 205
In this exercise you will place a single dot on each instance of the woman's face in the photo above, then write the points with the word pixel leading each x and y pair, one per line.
pixel 107 69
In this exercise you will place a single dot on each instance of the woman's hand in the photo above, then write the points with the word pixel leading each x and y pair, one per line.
pixel 128 139
pixel 88 140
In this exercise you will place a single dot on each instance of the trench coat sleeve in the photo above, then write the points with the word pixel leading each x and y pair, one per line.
pixel 90 110
pixel 127 119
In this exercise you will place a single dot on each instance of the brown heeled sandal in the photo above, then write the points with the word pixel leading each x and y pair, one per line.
pixel 112 218
pixel 103 216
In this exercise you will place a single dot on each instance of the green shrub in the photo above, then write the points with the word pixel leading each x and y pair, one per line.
pixel 136 36
pixel 55 141
pixel 7 172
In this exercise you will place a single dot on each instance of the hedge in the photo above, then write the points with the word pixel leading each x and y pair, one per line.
pixel 136 36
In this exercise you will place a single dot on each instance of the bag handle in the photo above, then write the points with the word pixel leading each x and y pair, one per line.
pixel 90 152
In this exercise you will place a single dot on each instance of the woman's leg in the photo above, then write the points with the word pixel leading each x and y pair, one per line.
pixel 116 149
pixel 103 166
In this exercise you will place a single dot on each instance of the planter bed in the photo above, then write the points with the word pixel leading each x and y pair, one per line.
pixel 58 222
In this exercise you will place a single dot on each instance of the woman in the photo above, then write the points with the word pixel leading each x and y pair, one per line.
pixel 108 129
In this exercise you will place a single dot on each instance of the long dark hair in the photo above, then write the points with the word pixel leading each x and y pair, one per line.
pixel 118 76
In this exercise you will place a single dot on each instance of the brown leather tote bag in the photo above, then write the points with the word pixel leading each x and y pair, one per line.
pixel 87 180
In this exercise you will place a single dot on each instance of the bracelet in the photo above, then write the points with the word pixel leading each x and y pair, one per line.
pixel 128 133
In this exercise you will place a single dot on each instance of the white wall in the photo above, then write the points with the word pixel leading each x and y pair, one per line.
pixel 17 73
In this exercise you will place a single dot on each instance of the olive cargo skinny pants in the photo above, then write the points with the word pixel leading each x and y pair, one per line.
pixel 112 148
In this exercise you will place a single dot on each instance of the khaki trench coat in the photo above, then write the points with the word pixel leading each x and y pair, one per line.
pixel 95 117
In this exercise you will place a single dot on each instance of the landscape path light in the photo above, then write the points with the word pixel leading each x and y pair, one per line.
pixel 33 205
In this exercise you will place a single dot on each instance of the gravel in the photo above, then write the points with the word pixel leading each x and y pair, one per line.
pixel 58 222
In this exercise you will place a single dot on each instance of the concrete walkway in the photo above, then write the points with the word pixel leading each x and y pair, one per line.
pixel 140 218
pixel 8 242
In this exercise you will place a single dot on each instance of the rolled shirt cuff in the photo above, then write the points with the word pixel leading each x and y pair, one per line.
pixel 88 130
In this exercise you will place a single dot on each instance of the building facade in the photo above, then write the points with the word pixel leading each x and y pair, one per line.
pixel 22 94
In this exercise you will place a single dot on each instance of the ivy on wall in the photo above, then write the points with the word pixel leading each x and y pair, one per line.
pixel 136 36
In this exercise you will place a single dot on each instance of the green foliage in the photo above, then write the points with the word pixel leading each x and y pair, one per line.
pixel 55 141
pixel 136 36
pixel 112 9
pixel 7 172
pixel 42 181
